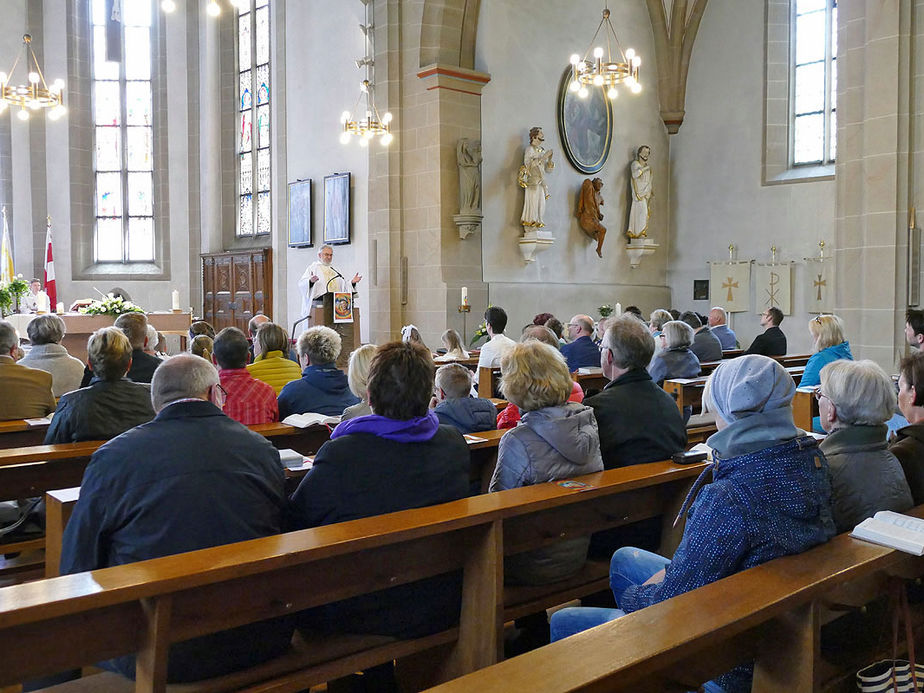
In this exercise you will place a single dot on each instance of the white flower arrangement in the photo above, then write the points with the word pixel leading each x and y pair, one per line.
pixel 111 305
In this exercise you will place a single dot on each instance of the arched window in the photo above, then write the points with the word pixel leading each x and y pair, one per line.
pixel 253 121
pixel 813 82
pixel 123 133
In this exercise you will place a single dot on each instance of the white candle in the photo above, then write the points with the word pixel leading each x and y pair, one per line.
pixel 60 307
pixel 176 299
pixel 464 295
pixel 42 302
pixel 618 309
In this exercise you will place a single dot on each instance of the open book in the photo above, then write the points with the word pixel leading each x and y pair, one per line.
pixel 894 530
pixel 310 419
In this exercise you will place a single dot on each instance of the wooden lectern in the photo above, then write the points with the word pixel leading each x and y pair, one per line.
pixel 349 331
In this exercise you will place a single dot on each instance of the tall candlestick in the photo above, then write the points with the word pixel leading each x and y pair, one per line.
pixel 464 295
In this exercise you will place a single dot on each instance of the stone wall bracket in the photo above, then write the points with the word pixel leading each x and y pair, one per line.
pixel 535 241
pixel 468 224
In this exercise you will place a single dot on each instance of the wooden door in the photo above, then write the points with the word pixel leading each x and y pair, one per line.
pixel 236 286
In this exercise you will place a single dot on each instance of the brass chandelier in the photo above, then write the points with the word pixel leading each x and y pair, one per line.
pixel 34 95
pixel 606 74
pixel 372 125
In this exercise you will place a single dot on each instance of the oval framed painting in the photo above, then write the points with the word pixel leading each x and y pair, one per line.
pixel 585 126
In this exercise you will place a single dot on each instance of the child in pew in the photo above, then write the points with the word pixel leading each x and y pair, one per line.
pixel 770 497
pixel 454 406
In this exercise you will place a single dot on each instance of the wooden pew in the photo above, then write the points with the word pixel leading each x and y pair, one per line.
pixel 689 391
pixel 143 607
pixel 18 434
pixel 771 614
pixel 488 379
pixel 732 353
pixel 33 471
pixel 789 360
pixel 804 407
pixel 590 381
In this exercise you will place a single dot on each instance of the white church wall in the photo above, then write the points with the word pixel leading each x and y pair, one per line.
pixel 525 67
pixel 716 193
pixel 323 41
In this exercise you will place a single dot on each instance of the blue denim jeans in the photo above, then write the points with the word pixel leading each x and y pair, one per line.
pixel 629 566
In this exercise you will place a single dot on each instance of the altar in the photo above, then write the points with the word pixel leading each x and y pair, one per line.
pixel 79 327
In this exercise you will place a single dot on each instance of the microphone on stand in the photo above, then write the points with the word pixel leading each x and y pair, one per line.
pixel 337 274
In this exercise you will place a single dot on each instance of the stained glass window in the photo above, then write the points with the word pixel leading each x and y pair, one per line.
pixel 254 117
pixel 124 137
pixel 814 81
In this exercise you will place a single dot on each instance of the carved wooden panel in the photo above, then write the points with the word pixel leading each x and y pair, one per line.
pixel 236 286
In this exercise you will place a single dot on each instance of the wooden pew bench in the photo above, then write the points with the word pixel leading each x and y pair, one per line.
pixel 770 614
pixel 689 391
pixel 804 408
pixel 19 434
pixel 145 606
pixel 33 471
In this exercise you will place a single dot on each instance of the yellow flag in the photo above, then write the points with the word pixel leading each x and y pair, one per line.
pixel 6 254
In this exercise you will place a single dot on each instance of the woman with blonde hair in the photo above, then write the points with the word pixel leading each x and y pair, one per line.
pixel 358 378
pixel 556 439
pixel 453 343
pixel 270 363
pixel 828 344
pixel 202 345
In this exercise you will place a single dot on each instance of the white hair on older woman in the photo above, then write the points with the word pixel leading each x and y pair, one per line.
pixel 862 393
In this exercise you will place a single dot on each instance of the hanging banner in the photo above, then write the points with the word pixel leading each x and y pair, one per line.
pixel 730 284
pixel 819 286
pixel 773 287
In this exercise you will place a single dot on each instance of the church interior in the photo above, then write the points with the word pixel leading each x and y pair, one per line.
pixel 199 156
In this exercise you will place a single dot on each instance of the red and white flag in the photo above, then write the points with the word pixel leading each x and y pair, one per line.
pixel 50 288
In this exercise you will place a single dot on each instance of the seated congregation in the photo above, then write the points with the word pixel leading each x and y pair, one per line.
pixel 771 490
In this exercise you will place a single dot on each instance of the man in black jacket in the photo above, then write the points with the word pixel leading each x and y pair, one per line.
pixel 772 342
pixel 190 479
pixel 638 421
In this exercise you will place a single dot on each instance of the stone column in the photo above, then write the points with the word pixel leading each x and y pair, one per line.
pixel 872 175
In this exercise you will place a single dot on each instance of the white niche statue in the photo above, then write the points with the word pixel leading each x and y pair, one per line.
pixel 640 211
pixel 537 161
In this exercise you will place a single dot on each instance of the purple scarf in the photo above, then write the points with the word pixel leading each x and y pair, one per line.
pixel 417 430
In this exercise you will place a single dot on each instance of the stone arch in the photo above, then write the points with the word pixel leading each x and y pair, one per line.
pixel 448 31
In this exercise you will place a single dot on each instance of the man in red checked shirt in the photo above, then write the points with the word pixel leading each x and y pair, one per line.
pixel 248 400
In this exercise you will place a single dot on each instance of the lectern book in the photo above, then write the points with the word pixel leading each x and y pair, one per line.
pixel 894 530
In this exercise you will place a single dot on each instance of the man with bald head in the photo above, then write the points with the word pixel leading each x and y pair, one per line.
pixel 190 479
pixel 581 352
pixel 719 328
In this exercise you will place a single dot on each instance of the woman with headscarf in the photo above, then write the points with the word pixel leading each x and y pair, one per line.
pixel 770 497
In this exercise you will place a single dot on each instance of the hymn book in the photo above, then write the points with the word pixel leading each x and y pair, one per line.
pixel 310 419
pixel 894 530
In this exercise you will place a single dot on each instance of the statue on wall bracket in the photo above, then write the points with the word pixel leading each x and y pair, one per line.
pixel 640 211
pixel 468 157
pixel 537 161
pixel 589 215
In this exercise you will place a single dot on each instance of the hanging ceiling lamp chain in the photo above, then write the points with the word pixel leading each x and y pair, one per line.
pixel 372 124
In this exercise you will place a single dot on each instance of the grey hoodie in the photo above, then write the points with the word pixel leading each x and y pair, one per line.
pixel 548 444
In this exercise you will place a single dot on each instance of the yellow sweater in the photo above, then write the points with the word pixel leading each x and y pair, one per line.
pixel 275 369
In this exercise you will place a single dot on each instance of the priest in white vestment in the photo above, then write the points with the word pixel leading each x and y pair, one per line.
pixel 321 276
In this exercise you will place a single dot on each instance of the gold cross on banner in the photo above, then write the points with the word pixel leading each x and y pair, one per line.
pixel 818 283
pixel 730 284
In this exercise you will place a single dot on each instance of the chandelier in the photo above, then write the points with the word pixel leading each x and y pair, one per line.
pixel 372 124
pixel 609 73
pixel 34 95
